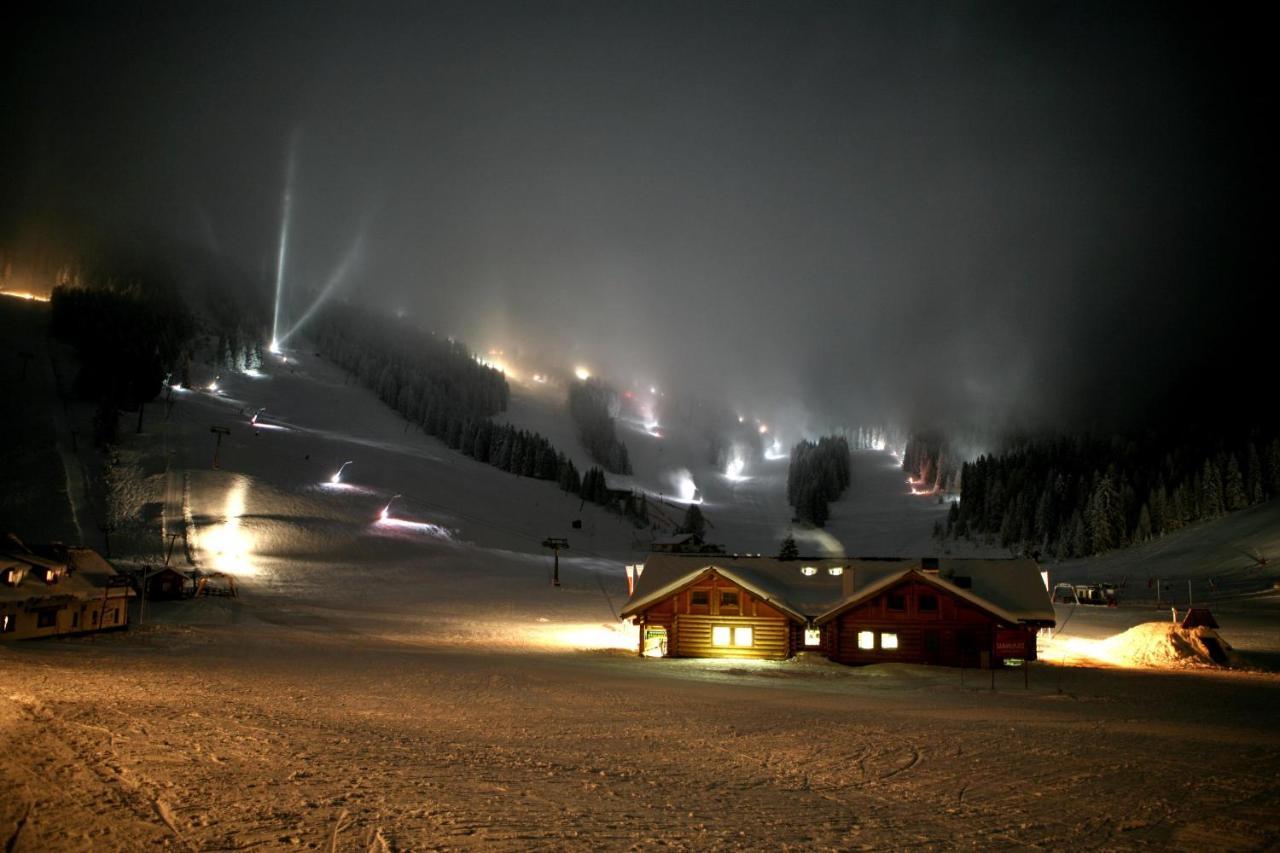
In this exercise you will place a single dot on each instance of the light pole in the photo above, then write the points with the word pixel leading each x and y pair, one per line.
pixel 218 432
pixel 556 544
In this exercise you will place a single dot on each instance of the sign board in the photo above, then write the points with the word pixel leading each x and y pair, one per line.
pixel 655 642
pixel 1011 643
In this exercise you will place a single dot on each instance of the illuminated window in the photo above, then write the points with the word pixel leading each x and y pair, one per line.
pixel 897 601
pixel 812 637
pixel 742 636
pixel 808 571
pixel 836 570
pixel 927 603
pixel 720 635
pixel 866 640
pixel 729 599
pixel 888 641
pixel 699 598
pixel 7 624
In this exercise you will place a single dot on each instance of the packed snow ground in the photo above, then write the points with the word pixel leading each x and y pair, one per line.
pixel 417 682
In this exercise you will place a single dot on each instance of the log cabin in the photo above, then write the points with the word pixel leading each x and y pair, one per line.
pixel 953 612
pixel 724 606
pixel 856 611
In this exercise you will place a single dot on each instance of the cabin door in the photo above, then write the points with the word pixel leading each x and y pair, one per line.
pixel 932 647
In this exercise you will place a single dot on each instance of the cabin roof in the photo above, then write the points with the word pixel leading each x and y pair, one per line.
pixel 86 577
pixel 779 582
pixel 1012 590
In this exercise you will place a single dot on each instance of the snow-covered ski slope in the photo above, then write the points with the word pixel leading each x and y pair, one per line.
pixel 749 513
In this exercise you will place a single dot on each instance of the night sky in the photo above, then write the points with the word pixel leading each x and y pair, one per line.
pixel 999 214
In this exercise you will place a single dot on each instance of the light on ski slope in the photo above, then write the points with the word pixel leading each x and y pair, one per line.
pixel 229 544
pixel 386 510
pixel 653 389
pixel 688 489
pixel 735 468
pixel 539 378
pixel 582 373
pixel 580 637
pixel 274 347
pixel 422 527
pixel 741 419
pixel 254 420
pixel 775 451
pixel 337 475
pixel 764 428
pixel 212 386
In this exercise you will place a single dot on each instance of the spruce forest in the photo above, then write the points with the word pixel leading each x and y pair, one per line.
pixel 1079 496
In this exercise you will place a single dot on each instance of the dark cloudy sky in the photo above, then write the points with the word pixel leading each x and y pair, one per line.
pixel 973 212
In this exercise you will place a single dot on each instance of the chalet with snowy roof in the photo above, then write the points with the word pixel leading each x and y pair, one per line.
pixel 56 590
pixel 857 611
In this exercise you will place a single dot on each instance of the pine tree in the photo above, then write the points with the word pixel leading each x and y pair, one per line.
pixel 693 521
pixel 789 549
pixel 1210 490
pixel 1234 496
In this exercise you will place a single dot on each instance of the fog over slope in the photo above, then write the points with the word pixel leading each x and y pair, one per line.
pixel 885 212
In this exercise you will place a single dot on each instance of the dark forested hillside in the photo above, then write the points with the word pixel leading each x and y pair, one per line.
pixel 439 386
pixel 1077 496
pixel 127 337
pixel 818 474
pixel 593 406
pixel 425 378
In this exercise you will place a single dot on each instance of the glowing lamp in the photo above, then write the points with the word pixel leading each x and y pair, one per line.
pixel 337 476
pixel 582 373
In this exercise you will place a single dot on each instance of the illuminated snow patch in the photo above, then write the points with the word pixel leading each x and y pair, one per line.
pixel 582 636
pixel 228 544
pixel 420 527
pixel 686 489
pixel 735 468
pixel 775 451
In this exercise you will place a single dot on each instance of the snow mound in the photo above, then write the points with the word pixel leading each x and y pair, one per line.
pixel 1159 645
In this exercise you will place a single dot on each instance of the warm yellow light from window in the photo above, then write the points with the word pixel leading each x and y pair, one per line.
pixel 866 640
pixel 808 571
pixel 812 637
pixel 836 570
pixel 888 641
pixel 742 636
pixel 720 635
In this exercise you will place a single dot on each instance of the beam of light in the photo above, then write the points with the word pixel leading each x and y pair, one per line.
pixel 337 475
pixel 775 451
pixel 350 260
pixel 212 386
pixel 229 545
pixel 386 510
pixel 285 217
pixel 686 488
pixel 582 373
pixel 254 420
pixel 733 470
pixel 24 294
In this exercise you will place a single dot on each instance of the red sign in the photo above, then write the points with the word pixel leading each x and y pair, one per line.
pixel 1011 642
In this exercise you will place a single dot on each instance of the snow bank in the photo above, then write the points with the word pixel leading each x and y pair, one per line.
pixel 1159 645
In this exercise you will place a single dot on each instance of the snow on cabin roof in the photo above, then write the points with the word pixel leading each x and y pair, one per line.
pixel 86 580
pixel 678 539
pixel 779 582
pixel 1010 589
